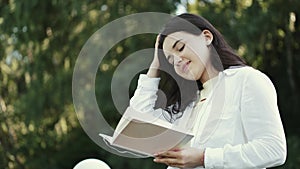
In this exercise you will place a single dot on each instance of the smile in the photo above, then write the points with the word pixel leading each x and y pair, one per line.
pixel 185 67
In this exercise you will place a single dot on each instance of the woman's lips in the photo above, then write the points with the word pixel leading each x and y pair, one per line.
pixel 185 67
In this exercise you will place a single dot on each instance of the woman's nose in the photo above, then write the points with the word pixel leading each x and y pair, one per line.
pixel 177 59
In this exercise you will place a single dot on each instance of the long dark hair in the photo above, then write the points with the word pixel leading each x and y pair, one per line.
pixel 178 91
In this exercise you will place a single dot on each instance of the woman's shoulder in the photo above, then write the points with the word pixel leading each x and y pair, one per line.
pixel 248 75
pixel 243 71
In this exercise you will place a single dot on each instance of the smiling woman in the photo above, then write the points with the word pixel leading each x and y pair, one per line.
pixel 189 62
pixel 231 108
pixel 204 44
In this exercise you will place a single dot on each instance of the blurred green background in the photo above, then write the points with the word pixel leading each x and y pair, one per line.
pixel 39 44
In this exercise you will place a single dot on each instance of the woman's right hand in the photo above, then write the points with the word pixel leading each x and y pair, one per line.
pixel 154 67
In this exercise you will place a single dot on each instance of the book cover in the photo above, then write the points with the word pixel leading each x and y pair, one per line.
pixel 145 134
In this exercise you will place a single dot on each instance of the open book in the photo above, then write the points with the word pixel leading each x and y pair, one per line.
pixel 145 134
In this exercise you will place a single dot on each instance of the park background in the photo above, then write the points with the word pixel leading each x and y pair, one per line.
pixel 40 42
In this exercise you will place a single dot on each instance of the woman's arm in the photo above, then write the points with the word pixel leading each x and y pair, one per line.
pixel 266 144
pixel 145 95
pixel 153 69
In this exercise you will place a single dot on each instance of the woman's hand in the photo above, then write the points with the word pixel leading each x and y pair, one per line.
pixel 181 157
pixel 153 70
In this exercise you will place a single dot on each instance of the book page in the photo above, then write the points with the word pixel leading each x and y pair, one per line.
pixel 147 134
pixel 147 138
pixel 122 123
pixel 131 113
pixel 107 138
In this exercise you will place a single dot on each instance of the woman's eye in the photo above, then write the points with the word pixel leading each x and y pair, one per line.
pixel 181 48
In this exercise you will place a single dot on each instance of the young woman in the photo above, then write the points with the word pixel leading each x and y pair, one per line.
pixel 230 107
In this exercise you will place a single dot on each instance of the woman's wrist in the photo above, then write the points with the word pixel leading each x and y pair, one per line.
pixel 153 71
pixel 202 158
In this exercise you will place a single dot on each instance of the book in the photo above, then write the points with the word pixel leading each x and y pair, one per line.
pixel 146 134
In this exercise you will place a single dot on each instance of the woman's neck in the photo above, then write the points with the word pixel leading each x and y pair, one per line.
pixel 209 73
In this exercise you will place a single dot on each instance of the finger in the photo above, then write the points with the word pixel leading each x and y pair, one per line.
pixel 170 162
pixel 166 160
pixel 157 37
pixel 177 165
pixel 157 40
pixel 176 149
pixel 169 154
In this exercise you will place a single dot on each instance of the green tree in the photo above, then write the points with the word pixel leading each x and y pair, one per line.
pixel 40 41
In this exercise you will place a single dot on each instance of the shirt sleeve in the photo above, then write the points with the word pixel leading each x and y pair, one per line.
pixel 265 139
pixel 145 95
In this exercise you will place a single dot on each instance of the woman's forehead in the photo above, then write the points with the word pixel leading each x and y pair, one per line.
pixel 181 36
pixel 172 38
pixel 177 35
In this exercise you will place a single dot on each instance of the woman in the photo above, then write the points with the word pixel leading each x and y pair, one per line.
pixel 232 109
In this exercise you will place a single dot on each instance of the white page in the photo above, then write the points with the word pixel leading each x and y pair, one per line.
pixel 146 134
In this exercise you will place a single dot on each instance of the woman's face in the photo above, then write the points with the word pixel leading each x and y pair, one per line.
pixel 188 53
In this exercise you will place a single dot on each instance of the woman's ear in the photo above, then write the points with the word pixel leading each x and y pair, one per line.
pixel 208 36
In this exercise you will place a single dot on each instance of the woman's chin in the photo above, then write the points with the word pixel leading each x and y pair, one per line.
pixel 190 77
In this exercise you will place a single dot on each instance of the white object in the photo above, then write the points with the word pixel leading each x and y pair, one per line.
pixel 249 134
pixel 91 164
pixel 146 134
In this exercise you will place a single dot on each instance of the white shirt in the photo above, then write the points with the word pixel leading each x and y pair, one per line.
pixel 238 124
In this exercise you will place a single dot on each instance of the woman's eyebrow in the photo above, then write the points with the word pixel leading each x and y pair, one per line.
pixel 176 43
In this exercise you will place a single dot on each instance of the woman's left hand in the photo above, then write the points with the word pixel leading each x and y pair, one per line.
pixel 181 157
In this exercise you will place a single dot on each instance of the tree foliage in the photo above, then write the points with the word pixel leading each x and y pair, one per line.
pixel 40 41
